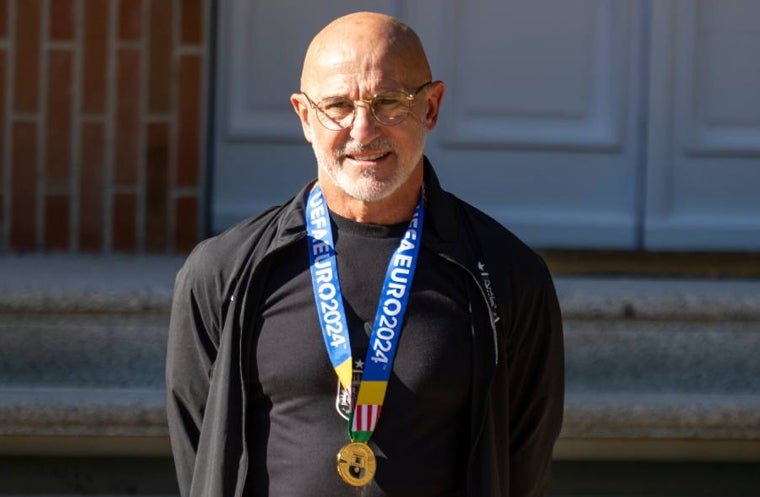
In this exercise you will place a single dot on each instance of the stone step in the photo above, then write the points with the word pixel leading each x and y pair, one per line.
pixel 140 413
pixel 83 350
pixel 657 356
pixel 75 412
pixel 83 345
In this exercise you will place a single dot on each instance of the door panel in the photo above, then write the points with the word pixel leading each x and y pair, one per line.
pixel 703 189
pixel 562 86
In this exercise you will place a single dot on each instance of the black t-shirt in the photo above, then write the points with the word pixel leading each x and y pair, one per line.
pixel 295 427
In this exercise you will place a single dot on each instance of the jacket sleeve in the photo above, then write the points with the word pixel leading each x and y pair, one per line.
pixel 535 385
pixel 191 352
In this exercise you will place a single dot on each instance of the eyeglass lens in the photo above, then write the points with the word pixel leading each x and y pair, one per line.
pixel 388 108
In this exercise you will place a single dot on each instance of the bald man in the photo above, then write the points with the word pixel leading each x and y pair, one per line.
pixel 374 335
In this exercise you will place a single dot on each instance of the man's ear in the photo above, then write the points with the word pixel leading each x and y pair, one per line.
pixel 301 106
pixel 434 98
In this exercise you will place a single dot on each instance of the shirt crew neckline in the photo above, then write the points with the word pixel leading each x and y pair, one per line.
pixel 350 227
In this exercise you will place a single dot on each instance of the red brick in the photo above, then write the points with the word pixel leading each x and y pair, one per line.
pixel 186 233
pixel 190 74
pixel 61 20
pixel 192 22
pixel 156 187
pixel 3 19
pixel 130 19
pixel 91 187
pixel 95 55
pixel 127 117
pixel 27 73
pixel 124 222
pixel 3 73
pixel 58 132
pixel 160 56
pixel 57 210
pixel 23 215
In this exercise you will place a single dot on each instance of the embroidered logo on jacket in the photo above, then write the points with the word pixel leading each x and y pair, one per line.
pixel 489 291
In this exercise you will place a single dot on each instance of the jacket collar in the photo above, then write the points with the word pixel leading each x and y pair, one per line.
pixel 446 234
pixel 441 205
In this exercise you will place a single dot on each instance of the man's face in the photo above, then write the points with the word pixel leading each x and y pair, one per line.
pixel 367 160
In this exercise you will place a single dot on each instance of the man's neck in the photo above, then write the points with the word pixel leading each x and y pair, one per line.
pixel 362 212
pixel 396 208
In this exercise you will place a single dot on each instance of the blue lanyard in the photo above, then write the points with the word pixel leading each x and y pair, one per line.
pixel 389 318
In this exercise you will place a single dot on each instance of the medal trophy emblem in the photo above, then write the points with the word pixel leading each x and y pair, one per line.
pixel 356 464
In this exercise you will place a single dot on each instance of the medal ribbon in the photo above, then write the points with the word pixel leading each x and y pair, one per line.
pixel 389 317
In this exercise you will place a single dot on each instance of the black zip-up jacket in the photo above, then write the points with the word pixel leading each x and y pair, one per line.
pixel 517 390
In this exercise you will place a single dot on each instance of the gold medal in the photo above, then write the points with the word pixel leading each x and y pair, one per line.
pixel 356 464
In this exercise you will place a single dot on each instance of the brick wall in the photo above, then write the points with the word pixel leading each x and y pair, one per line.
pixel 103 107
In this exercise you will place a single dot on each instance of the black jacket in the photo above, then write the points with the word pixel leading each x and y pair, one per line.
pixel 518 378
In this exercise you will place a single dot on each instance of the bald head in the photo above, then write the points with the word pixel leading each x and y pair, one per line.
pixel 362 42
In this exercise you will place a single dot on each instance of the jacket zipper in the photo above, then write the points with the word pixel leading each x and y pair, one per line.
pixel 494 334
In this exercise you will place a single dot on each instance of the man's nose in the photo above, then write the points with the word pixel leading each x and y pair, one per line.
pixel 364 126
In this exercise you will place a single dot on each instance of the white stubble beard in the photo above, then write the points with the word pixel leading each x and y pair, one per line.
pixel 367 188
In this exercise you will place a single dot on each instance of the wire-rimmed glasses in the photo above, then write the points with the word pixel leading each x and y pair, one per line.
pixel 389 108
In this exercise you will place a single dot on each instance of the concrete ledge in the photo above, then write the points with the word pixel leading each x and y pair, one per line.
pixel 138 283
pixel 132 423
pixel 661 449
pixel 659 298
pixel 82 412
pixel 141 413
pixel 84 445
pixel 655 366
pixel 114 350
pixel 84 283
pixel 596 415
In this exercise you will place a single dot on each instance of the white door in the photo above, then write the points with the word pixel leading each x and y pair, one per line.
pixel 703 187
pixel 549 123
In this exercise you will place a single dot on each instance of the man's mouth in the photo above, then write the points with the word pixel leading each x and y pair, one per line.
pixel 366 157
